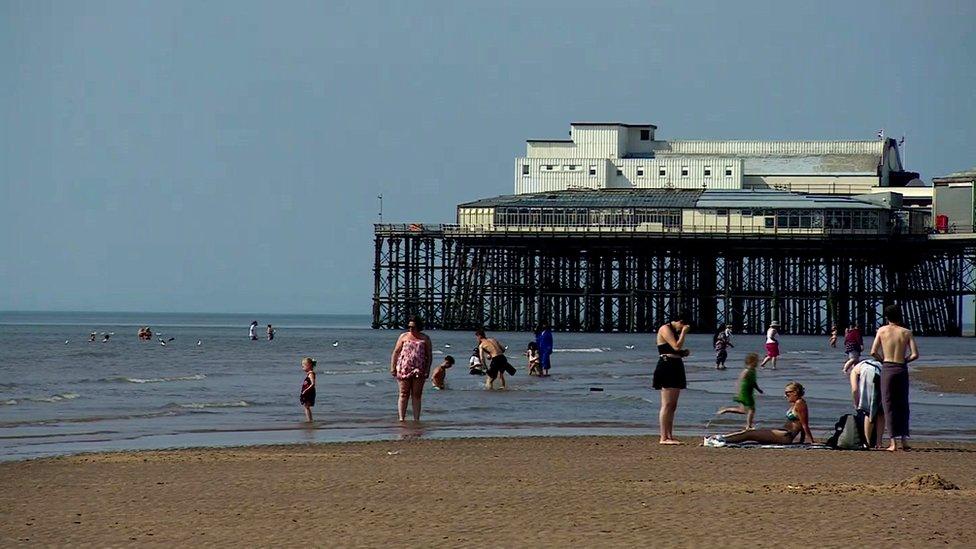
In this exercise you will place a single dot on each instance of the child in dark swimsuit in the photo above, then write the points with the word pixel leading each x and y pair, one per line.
pixel 307 397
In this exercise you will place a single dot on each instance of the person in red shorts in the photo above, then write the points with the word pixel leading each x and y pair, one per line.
pixel 772 344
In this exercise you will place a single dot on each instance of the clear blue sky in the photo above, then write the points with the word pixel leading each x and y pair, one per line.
pixel 226 156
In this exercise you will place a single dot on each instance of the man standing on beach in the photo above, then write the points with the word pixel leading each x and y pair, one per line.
pixel 890 344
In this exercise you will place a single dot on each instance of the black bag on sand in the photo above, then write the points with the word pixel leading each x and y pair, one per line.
pixel 848 433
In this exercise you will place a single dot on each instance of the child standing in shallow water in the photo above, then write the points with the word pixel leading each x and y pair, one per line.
pixel 307 397
pixel 534 358
pixel 745 398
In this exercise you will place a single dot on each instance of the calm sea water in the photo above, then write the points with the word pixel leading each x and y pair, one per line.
pixel 60 394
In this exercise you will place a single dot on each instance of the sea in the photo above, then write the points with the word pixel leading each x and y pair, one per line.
pixel 209 385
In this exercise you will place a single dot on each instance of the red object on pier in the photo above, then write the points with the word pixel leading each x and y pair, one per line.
pixel 942 223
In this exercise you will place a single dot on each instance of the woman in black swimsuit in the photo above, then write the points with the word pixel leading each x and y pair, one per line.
pixel 669 375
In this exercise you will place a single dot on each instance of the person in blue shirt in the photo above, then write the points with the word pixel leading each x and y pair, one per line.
pixel 544 340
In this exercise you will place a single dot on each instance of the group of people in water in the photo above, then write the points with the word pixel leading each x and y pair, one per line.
pixel 879 386
pixel 252 331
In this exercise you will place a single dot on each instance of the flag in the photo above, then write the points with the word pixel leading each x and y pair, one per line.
pixel 881 133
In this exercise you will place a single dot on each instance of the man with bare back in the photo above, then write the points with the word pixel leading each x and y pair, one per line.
pixel 492 353
pixel 891 344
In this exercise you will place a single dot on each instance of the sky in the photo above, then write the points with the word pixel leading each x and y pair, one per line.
pixel 226 156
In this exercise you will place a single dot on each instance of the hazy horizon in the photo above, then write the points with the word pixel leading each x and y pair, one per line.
pixel 226 156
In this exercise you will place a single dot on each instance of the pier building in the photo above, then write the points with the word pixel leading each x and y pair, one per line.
pixel 624 156
pixel 614 230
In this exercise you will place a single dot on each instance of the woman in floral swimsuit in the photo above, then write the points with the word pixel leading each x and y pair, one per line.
pixel 410 365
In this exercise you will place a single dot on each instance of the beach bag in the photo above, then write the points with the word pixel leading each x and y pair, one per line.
pixel 848 433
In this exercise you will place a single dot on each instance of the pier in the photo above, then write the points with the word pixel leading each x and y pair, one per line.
pixel 624 279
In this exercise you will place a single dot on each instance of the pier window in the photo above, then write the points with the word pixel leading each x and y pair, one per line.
pixel 640 171
pixel 619 171
pixel 525 169
pixel 662 171
pixel 571 167
pixel 728 171
pixel 708 171
pixel 684 171
pixel 547 167
pixel 645 135
pixel 592 170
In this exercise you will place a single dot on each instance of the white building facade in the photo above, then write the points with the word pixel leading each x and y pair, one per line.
pixel 628 156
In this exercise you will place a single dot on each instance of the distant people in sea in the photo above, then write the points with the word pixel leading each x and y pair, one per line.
pixel 890 345
pixel 746 397
pixel 271 332
pixel 853 346
pixel 92 336
pixel 106 337
pixel 545 344
pixel 145 334
pixel 772 344
pixel 669 375
pixel 307 397
pixel 721 341
pixel 410 365
pixel 865 378
pixel 534 362
pixel 439 378
pixel 492 353
pixel 832 340
pixel 797 424
pixel 252 331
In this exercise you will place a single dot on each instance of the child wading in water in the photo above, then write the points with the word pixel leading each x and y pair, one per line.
pixel 535 359
pixel 745 398
pixel 307 397
pixel 440 372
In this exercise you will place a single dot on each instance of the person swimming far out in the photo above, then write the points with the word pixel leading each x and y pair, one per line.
pixel 745 397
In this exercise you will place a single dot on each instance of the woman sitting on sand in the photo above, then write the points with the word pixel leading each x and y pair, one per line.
pixel 797 423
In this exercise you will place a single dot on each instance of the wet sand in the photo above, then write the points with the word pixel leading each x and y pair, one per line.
pixel 948 379
pixel 595 491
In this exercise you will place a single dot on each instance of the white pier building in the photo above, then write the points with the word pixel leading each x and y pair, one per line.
pixel 611 155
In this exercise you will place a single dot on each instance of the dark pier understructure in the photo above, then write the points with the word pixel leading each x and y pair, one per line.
pixel 630 282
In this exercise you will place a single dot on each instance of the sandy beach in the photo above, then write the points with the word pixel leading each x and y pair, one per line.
pixel 596 491
pixel 949 379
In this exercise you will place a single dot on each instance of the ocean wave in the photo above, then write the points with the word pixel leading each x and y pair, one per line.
pixel 202 405
pixel 53 398
pixel 194 377
pixel 586 350
pixel 366 362
pixel 10 402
